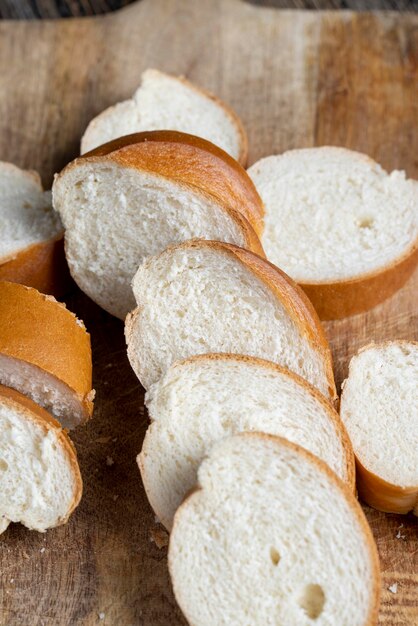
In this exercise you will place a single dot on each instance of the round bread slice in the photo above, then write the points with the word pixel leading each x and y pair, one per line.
pixel 208 296
pixel 379 407
pixel 133 197
pixel 339 225
pixel 40 481
pixel 209 397
pixel 169 102
pixel 31 233
pixel 45 353
pixel 272 537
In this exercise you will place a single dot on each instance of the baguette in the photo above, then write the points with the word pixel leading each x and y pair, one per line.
pixel 271 536
pixel 339 225
pixel 31 233
pixel 169 102
pixel 208 296
pixel 379 407
pixel 45 353
pixel 40 481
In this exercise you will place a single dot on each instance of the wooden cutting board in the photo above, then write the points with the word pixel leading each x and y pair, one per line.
pixel 297 79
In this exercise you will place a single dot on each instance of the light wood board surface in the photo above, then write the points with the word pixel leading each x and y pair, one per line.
pixel 297 79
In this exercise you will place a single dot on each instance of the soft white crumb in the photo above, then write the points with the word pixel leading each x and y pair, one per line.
pixel 393 588
pixel 42 550
pixel 109 461
pixel 102 615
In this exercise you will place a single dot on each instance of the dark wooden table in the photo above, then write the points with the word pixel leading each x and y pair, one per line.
pixel 43 9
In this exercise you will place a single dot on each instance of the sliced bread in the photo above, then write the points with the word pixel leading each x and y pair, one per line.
pixel 339 225
pixel 379 407
pixel 133 197
pixel 272 537
pixel 212 396
pixel 45 353
pixel 208 296
pixel 31 233
pixel 40 481
pixel 173 103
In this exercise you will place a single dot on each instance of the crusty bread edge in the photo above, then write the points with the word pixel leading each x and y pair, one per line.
pixel 42 266
pixel 229 112
pixel 43 419
pixel 339 299
pixel 313 391
pixel 374 490
pixel 234 188
pixel 354 505
pixel 73 370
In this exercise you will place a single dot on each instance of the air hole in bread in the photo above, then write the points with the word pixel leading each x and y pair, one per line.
pixel 312 600
pixel 365 222
pixel 275 556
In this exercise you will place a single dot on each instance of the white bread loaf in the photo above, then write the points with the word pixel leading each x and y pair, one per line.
pixel 134 197
pixel 40 481
pixel 339 225
pixel 212 396
pixel 379 407
pixel 171 103
pixel 31 249
pixel 208 296
pixel 271 536
pixel 45 353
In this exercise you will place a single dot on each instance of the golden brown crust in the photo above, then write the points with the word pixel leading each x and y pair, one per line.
pixel 335 300
pixel 347 493
pixel 41 331
pixel 326 404
pixel 384 496
pixel 190 161
pixel 42 266
pixel 289 294
pixel 42 418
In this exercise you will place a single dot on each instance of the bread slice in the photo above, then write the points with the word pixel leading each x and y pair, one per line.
pixel 45 353
pixel 172 103
pixel 379 406
pixel 339 225
pixel 208 296
pixel 134 197
pixel 272 537
pixel 31 233
pixel 209 397
pixel 40 481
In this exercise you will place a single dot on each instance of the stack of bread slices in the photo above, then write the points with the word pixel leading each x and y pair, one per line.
pixel 45 388
pixel 246 460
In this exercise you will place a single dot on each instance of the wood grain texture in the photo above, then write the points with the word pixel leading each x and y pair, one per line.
pixel 297 79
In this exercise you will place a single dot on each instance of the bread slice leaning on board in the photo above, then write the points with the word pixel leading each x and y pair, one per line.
pixel 170 102
pixel 379 407
pixel 209 296
pixel 45 353
pixel 339 225
pixel 31 243
pixel 141 193
pixel 40 481
pixel 271 536
pixel 206 398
